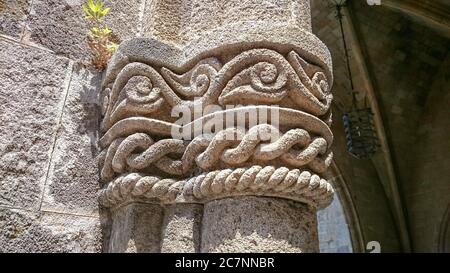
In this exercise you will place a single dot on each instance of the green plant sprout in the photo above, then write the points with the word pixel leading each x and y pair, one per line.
pixel 99 36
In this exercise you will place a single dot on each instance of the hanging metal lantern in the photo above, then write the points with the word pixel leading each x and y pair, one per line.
pixel 362 141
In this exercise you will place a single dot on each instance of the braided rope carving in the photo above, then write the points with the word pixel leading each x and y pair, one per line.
pixel 251 146
pixel 256 180
pixel 231 146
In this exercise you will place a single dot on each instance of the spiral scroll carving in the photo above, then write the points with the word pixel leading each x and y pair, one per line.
pixel 253 77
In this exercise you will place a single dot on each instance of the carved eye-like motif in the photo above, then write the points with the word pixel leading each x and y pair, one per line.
pixel 195 82
pixel 200 80
pixel 201 84
pixel 262 82
pixel 137 97
pixel 320 80
pixel 311 87
pixel 266 77
pixel 139 89
pixel 266 72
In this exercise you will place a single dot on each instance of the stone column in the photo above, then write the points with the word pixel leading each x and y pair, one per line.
pixel 136 228
pixel 259 224
pixel 221 115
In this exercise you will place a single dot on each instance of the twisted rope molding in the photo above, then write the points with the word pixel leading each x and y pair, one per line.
pixel 281 182
pixel 232 146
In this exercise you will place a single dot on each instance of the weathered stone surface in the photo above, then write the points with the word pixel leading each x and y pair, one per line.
pixel 136 228
pixel 181 21
pixel 31 100
pixel 25 231
pixel 124 18
pixel 60 26
pixel 181 228
pixel 165 20
pixel 12 16
pixel 73 180
pixel 258 224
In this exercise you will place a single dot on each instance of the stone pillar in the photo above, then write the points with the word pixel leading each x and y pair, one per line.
pixel 259 224
pixel 181 230
pixel 226 105
pixel 136 228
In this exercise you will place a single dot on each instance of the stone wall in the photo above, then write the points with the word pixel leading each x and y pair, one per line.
pixel 50 115
pixel 48 148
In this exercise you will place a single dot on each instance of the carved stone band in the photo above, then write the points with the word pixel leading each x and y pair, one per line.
pixel 257 76
pixel 208 153
pixel 280 182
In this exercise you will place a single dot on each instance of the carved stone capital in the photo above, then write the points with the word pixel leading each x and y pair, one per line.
pixel 141 159
pixel 225 106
